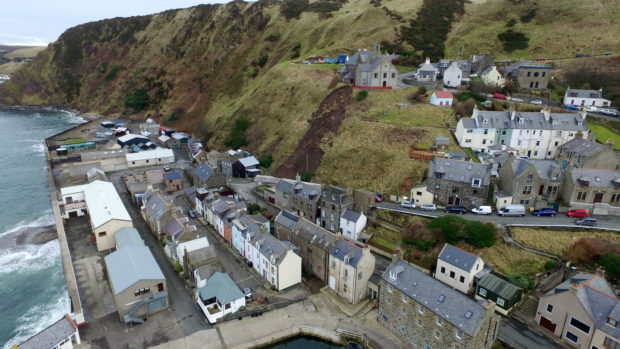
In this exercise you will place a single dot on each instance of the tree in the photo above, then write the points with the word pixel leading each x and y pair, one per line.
pixel 611 263
pixel 452 227
pixel 138 100
pixel 361 95
pixel 480 234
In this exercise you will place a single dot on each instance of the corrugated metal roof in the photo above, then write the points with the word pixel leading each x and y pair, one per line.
pixel 128 237
pixel 499 286
pixel 150 154
pixel 102 201
pixel 129 265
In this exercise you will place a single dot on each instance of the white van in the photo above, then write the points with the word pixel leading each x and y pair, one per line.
pixel 482 210
pixel 512 210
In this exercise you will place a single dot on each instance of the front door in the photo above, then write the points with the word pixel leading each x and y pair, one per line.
pixel 541 190
pixel 598 197
pixel 450 200
pixel 457 201
pixel 544 322
pixel 529 153
pixel 384 83
pixel 73 214
pixel 332 282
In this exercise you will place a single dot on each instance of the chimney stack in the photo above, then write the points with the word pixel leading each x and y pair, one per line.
pixel 600 271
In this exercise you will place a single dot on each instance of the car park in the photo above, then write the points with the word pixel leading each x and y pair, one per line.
pixel 571 107
pixel 545 212
pixel 536 102
pixel 429 207
pixel 512 210
pixel 487 210
pixel 592 222
pixel 577 213
pixel 407 204
pixel 456 209
pixel 191 213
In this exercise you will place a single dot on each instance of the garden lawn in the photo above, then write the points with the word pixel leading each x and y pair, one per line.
pixel 603 134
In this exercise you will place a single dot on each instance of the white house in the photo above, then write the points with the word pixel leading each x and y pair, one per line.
pixel 189 246
pixel 457 268
pixel 59 335
pixel 441 98
pixel 101 202
pixel 159 156
pixel 586 98
pixel 453 76
pixel 273 260
pixel 220 296
pixel 427 71
pixel 492 77
pixel 420 195
pixel 352 223
pixel 537 135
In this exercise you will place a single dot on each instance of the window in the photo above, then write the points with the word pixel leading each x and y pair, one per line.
pixel 384 75
pixel 543 74
pixel 550 308
pixel 309 250
pixel 519 142
pixel 486 130
pixel 612 322
pixel 439 321
pixel 536 153
pixel 376 75
pixel 346 273
pixel 468 140
pixel 529 73
pixel 333 265
pixel 537 143
pixel 443 270
pixel 475 182
pixel 580 325
pixel 227 306
pixel 141 291
pixel 581 195
pixel 482 292
pixel 470 130
pixel 524 202
pixel 421 309
pixel 390 289
pixel 452 275
pixel 610 343
pixel 500 301
pixel 503 132
pixel 458 334
pixel 437 334
pixel 536 85
pixel 359 276
pixel 133 162
pixel 344 288
pixel 393 75
pixel 147 161
pixel 570 336
pixel 102 233
pixel 419 321
pixel 535 74
pixel 405 300
pixel 462 279
pixel 527 189
pixel 455 189
pixel 530 177
pixel 484 141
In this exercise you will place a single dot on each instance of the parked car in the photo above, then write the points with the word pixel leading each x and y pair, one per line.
pixel 592 109
pixel 378 197
pixel 606 53
pixel 610 112
pixel 571 107
pixel 407 204
pixel 512 210
pixel 581 55
pixel 248 293
pixel 482 210
pixel 577 213
pixel 456 209
pixel 541 59
pixel 429 207
pixel 473 75
pixel 586 221
pixel 191 213
pixel 536 102
pixel 545 212
pixel 516 99
pixel 499 96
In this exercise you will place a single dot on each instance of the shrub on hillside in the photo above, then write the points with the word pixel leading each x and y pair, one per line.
pixel 480 234
pixel 293 8
pixel 418 234
pixel 138 100
pixel 589 250
pixel 236 137
pixel 361 95
pixel 513 40
pixel 266 161
pixel 611 263
pixel 456 229
pixel 525 282
pixel 551 264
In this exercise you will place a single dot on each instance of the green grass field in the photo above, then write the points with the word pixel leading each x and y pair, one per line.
pixel 604 134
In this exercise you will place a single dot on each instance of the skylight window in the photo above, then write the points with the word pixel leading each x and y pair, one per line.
pixel 468 314
pixel 442 297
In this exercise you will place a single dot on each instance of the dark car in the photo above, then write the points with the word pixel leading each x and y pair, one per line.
pixel 548 212
pixel 586 221
pixel 456 209
pixel 191 213
pixel 581 55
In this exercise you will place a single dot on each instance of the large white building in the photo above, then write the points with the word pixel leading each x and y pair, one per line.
pixel 352 223
pixel 453 76
pixel 159 156
pixel 457 268
pixel 586 98
pixel 101 202
pixel 536 135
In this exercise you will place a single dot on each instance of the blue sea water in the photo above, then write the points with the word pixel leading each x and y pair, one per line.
pixel 32 287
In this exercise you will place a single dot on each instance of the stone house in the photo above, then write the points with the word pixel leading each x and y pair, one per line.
pixel 504 294
pixel 480 63
pixel 204 177
pixel 283 189
pixel 370 68
pixel 334 201
pixel 455 182
pixel 586 154
pixel 156 212
pixel 350 266
pixel 586 98
pixel 583 311
pixel 314 245
pixel 304 199
pixel 529 76
pixel 532 183
pixel 492 77
pixel 592 189
pixel 173 181
pixel 284 224
pixel 352 223
pixel 427 313
pixel 459 269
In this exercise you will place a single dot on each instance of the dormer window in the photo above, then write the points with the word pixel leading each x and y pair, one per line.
pixel 612 322
pixel 521 120
pixel 346 259
pixel 476 182
pixel 439 174
pixel 393 275
pixel 579 123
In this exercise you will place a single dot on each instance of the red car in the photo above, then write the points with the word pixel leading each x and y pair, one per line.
pixel 499 96
pixel 577 213
pixel 541 59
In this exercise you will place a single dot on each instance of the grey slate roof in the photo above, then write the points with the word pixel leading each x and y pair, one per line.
pixel 285 186
pixel 287 219
pixel 426 290
pixel 460 171
pixel 174 228
pixel 499 286
pixel 270 246
pixel 584 93
pixel 346 248
pixel 442 140
pixel 305 191
pixel 314 234
pixel 530 121
pixel 351 215
pixel 458 258
pixel 130 265
pixel 203 172
pixel 127 237
pixel 333 194
pixel 221 287
pixel 206 271
pixel 545 168
pixel 596 178
pixel 51 336
pixel 156 206
pixel 220 206
pixel 581 147
pixel 201 255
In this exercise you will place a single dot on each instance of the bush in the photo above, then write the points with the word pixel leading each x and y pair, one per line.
pixel 529 16
pixel 265 161
pixel 589 250
pixel 513 40
pixel 361 95
pixel 296 50
pixel 178 267
pixel 254 209
pixel 113 73
pixel 273 37
pixel 525 282
pixel 237 138
pixel 456 229
pixel 138 100
pixel 293 8
pixel 550 265
pixel 611 263
pixel 307 176
pixel 261 61
pixel 480 234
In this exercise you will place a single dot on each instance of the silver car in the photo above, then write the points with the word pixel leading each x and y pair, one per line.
pixel 429 207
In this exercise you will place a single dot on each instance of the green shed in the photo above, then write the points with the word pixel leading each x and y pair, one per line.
pixel 503 293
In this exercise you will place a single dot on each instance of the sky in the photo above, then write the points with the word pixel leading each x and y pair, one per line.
pixel 39 22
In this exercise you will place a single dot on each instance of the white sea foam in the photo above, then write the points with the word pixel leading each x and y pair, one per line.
pixel 43 221
pixel 30 257
pixel 38 318
pixel 39 148
pixel 74 118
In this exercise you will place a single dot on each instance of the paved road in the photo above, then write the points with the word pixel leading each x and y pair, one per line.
pixel 604 222
pixel 520 336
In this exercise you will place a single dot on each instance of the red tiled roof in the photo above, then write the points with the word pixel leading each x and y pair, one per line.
pixel 443 94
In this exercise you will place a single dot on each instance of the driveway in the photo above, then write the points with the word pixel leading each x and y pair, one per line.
pixel 520 336
pixel 604 222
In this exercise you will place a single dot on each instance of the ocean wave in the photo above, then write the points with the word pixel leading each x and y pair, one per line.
pixel 75 118
pixel 30 257
pixel 38 318
pixel 39 148
pixel 42 221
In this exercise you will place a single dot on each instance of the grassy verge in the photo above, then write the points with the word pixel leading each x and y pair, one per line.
pixel 557 242
pixel 604 134
pixel 512 260
pixel 384 239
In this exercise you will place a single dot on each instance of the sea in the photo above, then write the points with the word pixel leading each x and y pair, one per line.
pixel 33 292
